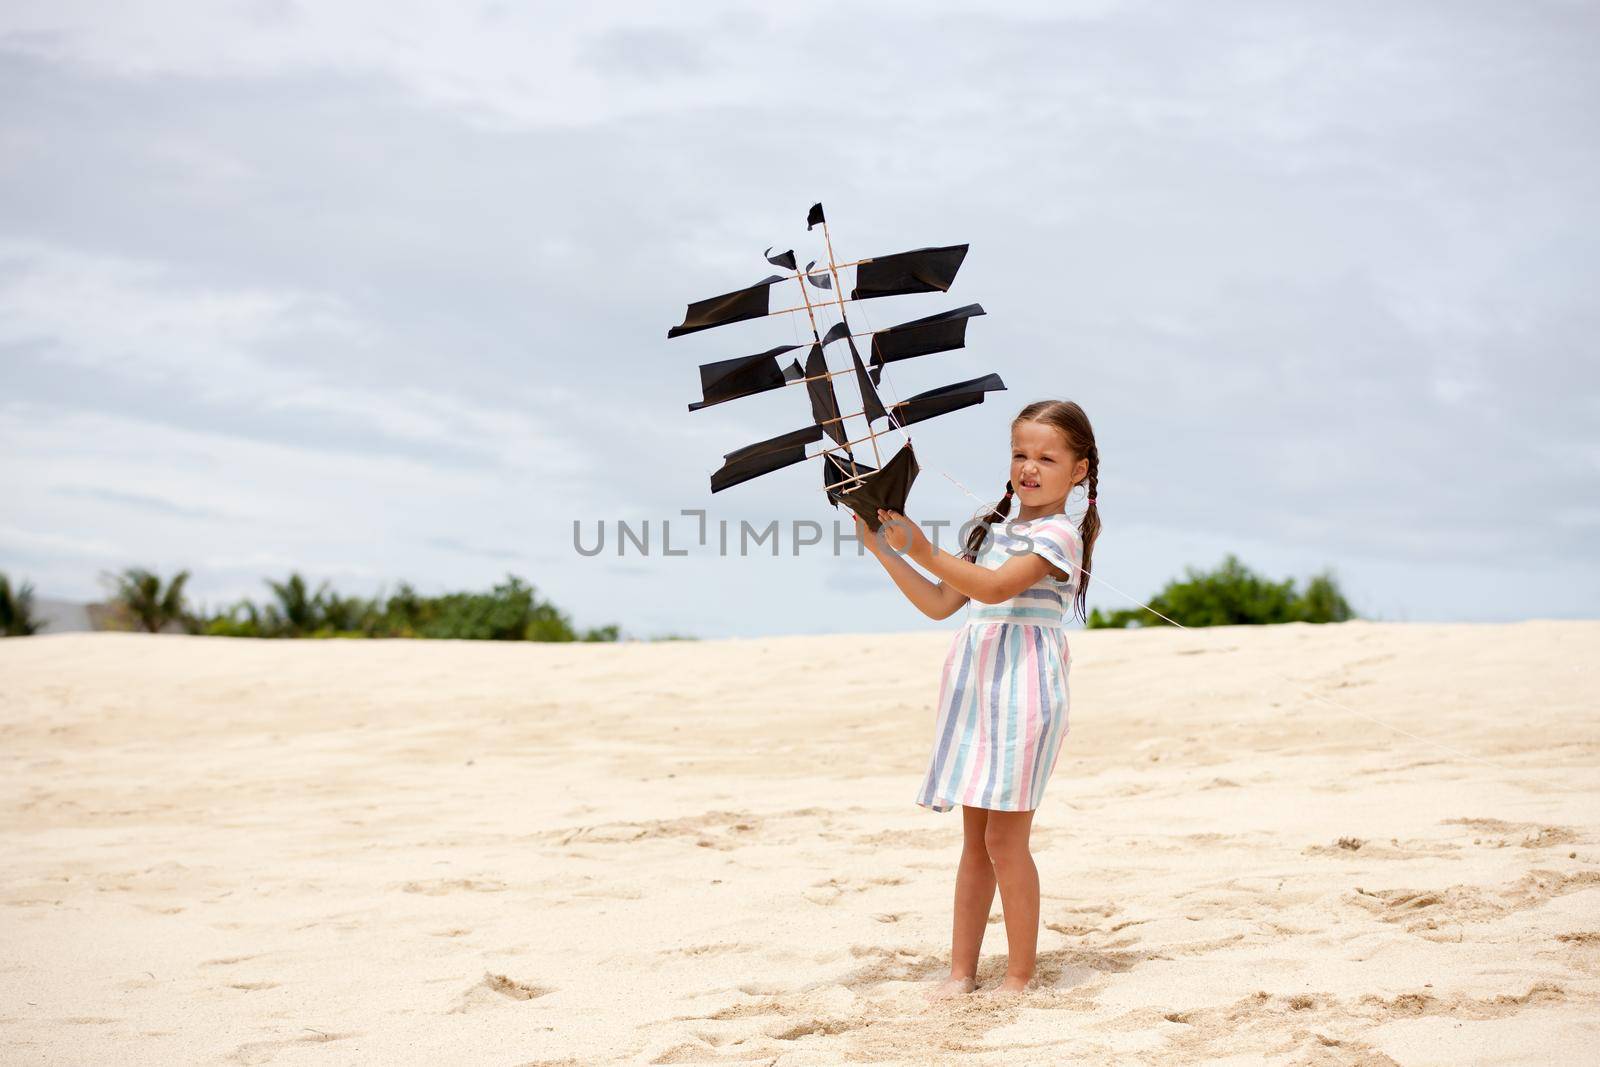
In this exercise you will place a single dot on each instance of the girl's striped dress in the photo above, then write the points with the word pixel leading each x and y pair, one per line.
pixel 1003 698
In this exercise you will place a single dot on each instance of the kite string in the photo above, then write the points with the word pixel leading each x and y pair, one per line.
pixel 1301 688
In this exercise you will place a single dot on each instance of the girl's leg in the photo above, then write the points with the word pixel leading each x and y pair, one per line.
pixel 974 895
pixel 975 886
pixel 1006 841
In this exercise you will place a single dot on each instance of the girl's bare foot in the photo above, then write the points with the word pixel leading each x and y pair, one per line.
pixel 952 987
pixel 1010 984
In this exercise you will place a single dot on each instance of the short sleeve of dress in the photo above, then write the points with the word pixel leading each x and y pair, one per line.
pixel 1058 541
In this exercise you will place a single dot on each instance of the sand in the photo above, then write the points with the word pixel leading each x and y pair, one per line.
pixel 369 852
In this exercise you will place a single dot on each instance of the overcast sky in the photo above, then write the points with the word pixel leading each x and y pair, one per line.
pixel 381 291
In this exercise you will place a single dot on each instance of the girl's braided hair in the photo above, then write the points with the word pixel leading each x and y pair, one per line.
pixel 1067 417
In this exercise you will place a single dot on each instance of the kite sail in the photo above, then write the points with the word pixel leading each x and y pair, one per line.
pixel 751 303
pixel 861 487
pixel 764 457
pixel 925 270
pixel 886 488
pixel 945 399
pixel 731 379
pixel 943 332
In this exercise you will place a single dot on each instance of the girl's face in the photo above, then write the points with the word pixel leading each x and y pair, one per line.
pixel 1043 468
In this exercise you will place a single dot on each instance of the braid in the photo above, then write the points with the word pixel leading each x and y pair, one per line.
pixel 975 539
pixel 1088 529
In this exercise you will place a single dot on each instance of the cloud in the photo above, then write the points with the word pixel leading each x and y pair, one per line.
pixel 137 501
pixel 271 352
pixel 504 66
pixel 141 320
pixel 450 544
pixel 238 504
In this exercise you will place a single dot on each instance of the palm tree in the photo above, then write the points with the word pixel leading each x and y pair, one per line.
pixel 301 611
pixel 16 609
pixel 140 596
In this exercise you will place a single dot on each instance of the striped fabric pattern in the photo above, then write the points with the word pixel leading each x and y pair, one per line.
pixel 1003 697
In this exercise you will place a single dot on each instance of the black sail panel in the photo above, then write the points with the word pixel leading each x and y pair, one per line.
pixel 945 399
pixel 886 488
pixel 764 457
pixel 922 270
pixel 824 401
pixel 749 303
pixel 943 332
pixel 871 406
pixel 932 409
pixel 837 332
pixel 731 379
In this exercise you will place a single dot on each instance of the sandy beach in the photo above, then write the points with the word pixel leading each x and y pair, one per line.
pixel 395 852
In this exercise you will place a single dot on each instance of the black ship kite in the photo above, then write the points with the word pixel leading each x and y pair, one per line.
pixel 846 480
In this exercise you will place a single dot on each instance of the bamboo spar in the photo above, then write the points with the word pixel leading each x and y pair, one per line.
pixel 838 292
pixel 821 348
pixel 847 444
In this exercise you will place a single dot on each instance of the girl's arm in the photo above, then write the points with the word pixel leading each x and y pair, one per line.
pixel 935 601
pixel 969 579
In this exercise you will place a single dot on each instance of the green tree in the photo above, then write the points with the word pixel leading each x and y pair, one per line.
pixel 298 611
pixel 506 613
pixel 144 601
pixel 16 609
pixel 350 615
pixel 1232 594
pixel 405 612
pixel 510 611
pixel 242 619
pixel 1322 601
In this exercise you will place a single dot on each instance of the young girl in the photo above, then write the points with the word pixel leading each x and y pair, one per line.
pixel 1003 698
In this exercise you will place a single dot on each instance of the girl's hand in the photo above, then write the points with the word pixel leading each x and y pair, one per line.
pixel 866 536
pixel 903 535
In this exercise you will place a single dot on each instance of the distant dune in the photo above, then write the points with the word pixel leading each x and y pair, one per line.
pixel 237 851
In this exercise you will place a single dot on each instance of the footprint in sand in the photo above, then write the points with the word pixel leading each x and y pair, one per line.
pixel 1424 910
pixel 495 990
pixel 254 1052
pixel 1460 1005
pixel 438 887
pixel 830 890
pixel 1192 1034
pixel 1581 950
pixel 1395 849
pixel 1497 833
pixel 757 989
pixel 227 961
pixel 720 830
pixel 719 948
